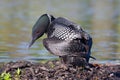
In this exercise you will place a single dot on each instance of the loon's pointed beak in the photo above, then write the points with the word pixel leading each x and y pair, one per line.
pixel 31 43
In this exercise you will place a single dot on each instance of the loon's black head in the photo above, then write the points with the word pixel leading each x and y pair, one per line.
pixel 40 27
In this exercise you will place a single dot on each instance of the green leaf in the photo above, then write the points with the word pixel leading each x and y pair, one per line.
pixel 18 71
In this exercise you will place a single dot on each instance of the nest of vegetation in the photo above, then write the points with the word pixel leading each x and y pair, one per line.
pixel 52 70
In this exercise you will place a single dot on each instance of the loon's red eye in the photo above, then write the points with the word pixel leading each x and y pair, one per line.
pixel 37 32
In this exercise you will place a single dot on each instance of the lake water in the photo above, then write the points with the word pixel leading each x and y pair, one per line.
pixel 99 18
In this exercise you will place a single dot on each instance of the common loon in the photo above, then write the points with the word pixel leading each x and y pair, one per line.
pixel 64 38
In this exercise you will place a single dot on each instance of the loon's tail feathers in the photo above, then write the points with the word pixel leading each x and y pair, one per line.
pixel 93 57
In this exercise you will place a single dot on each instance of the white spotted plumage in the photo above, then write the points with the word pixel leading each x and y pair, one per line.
pixel 65 33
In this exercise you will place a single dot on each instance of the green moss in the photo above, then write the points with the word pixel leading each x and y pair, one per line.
pixel 7 75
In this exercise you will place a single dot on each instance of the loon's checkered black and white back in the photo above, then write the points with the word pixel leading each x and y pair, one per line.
pixel 67 38
pixel 63 29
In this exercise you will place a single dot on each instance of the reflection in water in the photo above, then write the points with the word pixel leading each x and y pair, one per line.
pixel 100 18
pixel 103 24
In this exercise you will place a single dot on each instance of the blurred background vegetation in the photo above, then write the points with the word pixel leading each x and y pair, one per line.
pixel 100 18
